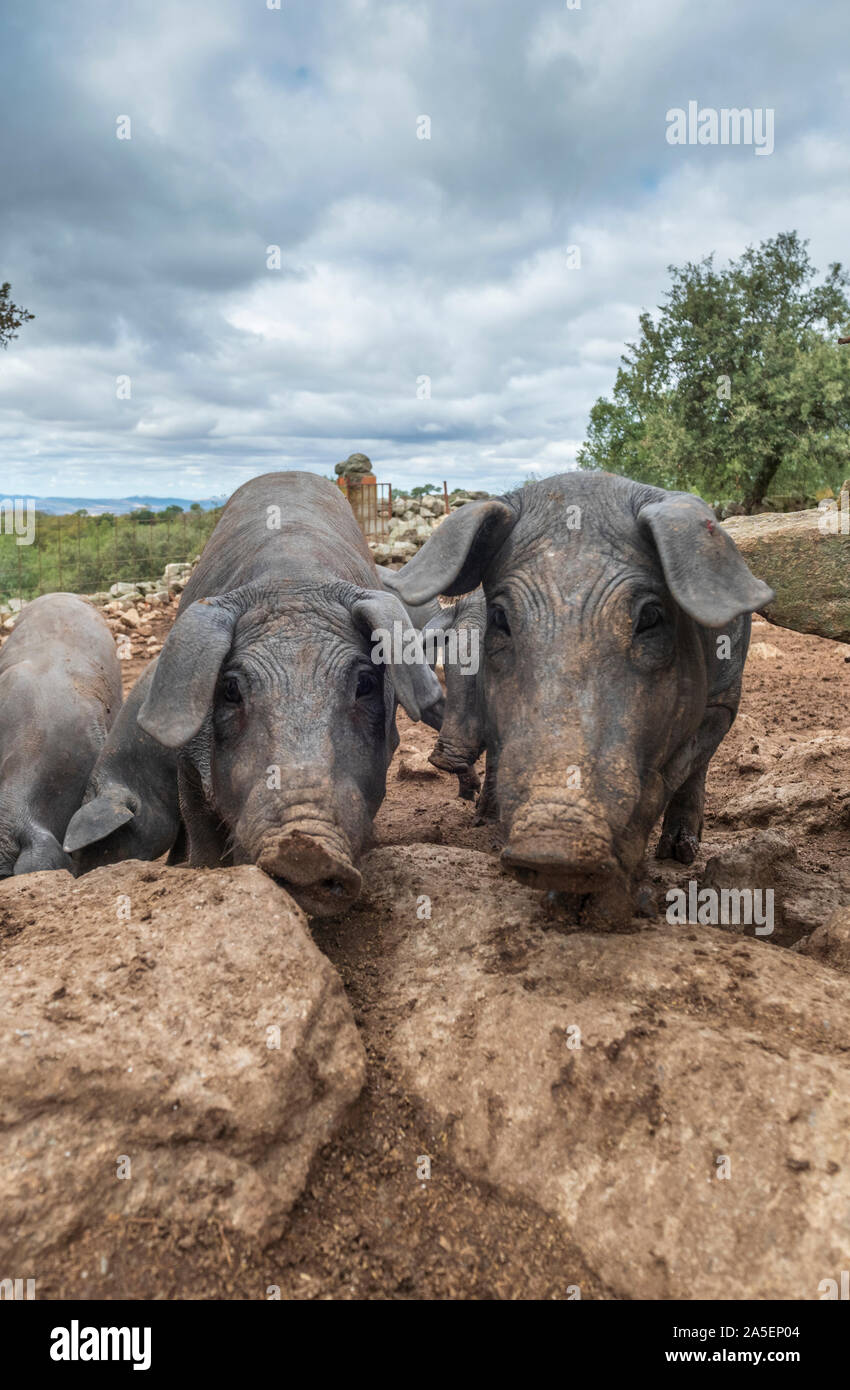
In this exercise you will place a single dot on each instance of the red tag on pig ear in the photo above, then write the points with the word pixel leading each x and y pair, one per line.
pixel 710 527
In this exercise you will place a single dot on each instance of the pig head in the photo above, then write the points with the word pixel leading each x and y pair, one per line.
pixel 618 620
pixel 285 726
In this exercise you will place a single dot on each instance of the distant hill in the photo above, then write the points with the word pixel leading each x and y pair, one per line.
pixel 96 506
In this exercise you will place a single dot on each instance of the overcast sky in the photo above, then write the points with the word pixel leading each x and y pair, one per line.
pixel 401 258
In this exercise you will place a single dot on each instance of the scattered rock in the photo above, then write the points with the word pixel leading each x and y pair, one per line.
pixel 807 786
pixel 830 943
pixel 414 765
pixel 766 862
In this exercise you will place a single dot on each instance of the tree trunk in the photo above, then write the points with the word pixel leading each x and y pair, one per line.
pixel 755 493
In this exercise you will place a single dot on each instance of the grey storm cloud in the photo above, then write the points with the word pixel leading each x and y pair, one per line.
pixel 400 258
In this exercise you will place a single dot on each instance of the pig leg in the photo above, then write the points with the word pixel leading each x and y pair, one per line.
pixel 681 830
pixel 178 854
pixel 468 784
pixel 487 807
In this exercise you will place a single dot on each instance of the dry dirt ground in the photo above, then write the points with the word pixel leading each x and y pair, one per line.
pixel 366 1226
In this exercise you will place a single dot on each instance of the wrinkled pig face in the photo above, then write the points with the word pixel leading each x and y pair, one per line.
pixel 298 748
pixel 593 680
pixel 287 734
pixel 595 672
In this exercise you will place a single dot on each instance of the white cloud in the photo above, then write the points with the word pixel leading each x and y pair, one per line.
pixel 400 258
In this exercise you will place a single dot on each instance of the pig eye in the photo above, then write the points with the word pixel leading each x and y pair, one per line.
pixel 499 619
pixel 649 617
pixel 367 684
pixel 231 692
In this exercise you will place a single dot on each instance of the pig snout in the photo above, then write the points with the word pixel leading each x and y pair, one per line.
pixel 314 865
pixel 556 848
pixel 450 757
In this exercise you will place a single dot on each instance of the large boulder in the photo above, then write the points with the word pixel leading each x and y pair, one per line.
pixel 805 558
pixel 355 466
pixel 174 1046
pixel 678 1097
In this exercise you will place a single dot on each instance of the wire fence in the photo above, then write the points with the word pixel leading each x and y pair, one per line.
pixel 87 554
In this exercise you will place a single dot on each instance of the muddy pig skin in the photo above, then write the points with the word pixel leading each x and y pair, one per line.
pixel 131 809
pixel 60 691
pixel 268 687
pixel 618 620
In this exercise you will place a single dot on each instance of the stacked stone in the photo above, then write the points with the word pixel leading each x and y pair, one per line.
pixel 413 520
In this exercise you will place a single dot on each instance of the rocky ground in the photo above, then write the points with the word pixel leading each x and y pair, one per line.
pixel 543 1111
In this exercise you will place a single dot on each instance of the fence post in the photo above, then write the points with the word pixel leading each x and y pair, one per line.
pixel 445 497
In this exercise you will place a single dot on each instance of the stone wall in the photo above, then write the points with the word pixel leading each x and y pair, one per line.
pixel 413 520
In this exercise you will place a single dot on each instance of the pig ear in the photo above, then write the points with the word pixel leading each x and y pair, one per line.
pixel 419 692
pixel 704 569
pixel 97 819
pixel 183 684
pixel 454 558
pixel 441 622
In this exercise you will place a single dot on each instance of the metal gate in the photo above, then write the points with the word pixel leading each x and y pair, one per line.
pixel 372 504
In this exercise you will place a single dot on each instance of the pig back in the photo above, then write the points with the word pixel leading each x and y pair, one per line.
pixel 283 526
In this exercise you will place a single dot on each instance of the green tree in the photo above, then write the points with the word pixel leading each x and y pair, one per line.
pixel 737 385
pixel 11 316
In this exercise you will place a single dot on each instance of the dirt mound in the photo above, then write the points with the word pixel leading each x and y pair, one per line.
pixel 174 1047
